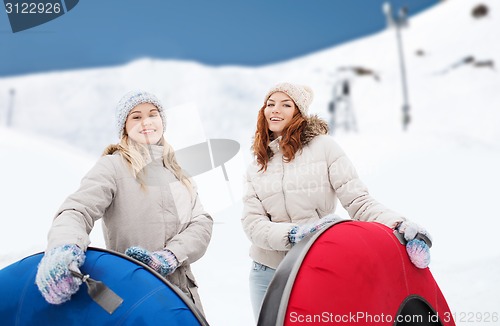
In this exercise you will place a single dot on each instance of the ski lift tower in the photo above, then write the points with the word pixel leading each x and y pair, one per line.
pixel 399 22
pixel 340 107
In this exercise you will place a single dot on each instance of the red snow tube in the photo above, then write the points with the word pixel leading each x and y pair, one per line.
pixel 353 273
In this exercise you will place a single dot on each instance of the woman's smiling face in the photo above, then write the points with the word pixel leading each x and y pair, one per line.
pixel 144 124
pixel 279 111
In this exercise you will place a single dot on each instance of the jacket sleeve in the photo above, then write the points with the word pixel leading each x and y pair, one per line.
pixel 258 227
pixel 76 216
pixel 352 192
pixel 192 242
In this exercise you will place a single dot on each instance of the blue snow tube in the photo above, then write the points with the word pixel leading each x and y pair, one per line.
pixel 148 298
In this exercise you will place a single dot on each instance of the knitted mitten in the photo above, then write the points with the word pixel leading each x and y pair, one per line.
pixel 299 232
pixel 53 277
pixel 419 253
pixel 163 261
pixel 419 242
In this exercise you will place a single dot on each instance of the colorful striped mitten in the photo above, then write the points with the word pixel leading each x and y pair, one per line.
pixel 53 277
pixel 419 253
pixel 163 261
pixel 299 232
pixel 419 243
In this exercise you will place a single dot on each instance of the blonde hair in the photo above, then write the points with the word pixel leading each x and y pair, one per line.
pixel 137 156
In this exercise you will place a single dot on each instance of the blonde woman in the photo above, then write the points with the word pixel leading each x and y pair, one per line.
pixel 293 185
pixel 150 210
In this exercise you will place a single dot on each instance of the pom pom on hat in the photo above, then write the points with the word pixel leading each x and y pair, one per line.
pixel 130 101
pixel 300 94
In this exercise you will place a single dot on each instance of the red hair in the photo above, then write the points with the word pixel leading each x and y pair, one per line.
pixel 290 143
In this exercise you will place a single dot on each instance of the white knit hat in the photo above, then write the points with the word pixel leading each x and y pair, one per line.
pixel 130 101
pixel 301 95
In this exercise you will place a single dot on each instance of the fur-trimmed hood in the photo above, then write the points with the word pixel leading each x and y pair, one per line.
pixel 111 149
pixel 315 127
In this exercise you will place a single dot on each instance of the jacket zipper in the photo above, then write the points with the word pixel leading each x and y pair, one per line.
pixel 283 186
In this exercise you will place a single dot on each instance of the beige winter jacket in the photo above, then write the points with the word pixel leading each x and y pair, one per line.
pixel 162 214
pixel 302 191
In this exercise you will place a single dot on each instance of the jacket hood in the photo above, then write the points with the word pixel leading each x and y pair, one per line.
pixel 315 127
pixel 111 149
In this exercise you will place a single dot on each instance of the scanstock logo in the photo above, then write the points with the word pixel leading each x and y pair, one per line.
pixel 27 14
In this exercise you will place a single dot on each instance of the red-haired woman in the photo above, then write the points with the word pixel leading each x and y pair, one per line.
pixel 293 185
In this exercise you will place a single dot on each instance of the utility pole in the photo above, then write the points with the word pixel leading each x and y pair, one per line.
pixel 399 22
pixel 10 107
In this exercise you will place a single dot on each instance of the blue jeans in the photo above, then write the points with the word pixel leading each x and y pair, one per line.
pixel 260 277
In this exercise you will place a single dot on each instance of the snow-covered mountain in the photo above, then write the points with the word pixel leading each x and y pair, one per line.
pixel 442 172
pixel 78 105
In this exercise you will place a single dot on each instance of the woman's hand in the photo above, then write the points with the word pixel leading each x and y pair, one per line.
pixel 54 278
pixel 299 232
pixel 163 261
pixel 419 243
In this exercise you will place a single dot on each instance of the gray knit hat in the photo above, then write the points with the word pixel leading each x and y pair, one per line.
pixel 301 95
pixel 130 101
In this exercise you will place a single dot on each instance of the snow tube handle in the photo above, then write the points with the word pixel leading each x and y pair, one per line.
pixel 100 293
pixel 419 236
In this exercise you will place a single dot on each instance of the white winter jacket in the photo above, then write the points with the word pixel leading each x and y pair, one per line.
pixel 302 191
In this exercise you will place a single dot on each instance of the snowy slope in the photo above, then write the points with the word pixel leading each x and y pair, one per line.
pixel 442 173
pixel 37 174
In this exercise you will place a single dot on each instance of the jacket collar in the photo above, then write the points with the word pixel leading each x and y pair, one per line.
pixel 156 151
pixel 275 145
